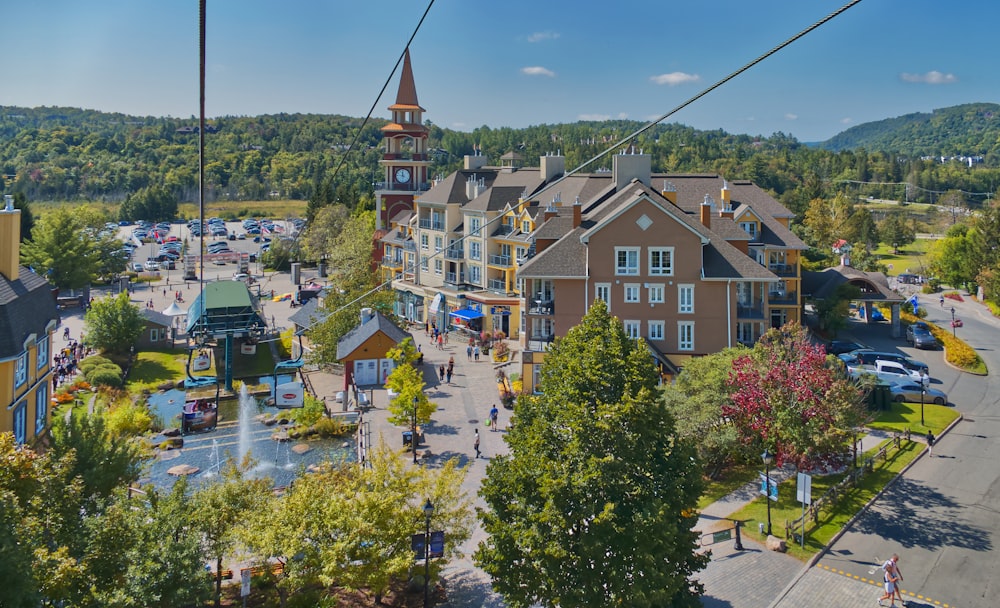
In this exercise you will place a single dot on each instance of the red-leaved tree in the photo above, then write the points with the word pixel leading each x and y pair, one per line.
pixel 787 399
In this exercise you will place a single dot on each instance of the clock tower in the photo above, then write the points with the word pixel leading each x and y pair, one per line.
pixel 404 157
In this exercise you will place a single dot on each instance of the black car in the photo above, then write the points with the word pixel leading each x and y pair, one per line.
pixel 839 347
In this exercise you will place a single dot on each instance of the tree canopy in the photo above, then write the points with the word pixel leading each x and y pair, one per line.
pixel 113 324
pixel 592 505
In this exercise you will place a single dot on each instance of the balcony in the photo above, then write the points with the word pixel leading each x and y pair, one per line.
pixel 750 310
pixel 497 285
pixel 782 270
pixel 431 224
pixel 541 307
pixel 503 229
pixel 782 297
pixel 454 254
pixel 410 245
pixel 504 261
pixel 454 278
pixel 393 263
pixel 403 187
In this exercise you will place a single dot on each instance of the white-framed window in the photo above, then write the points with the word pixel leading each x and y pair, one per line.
pixel 21 369
pixel 631 293
pixel 525 226
pixel 475 224
pixel 438 266
pixel 656 330
pixel 602 291
pixel 536 377
pixel 21 423
pixel 423 263
pixel 685 298
pixel 521 254
pixel 154 334
pixel 661 261
pixel 41 407
pixel 425 242
pixel 475 274
pixel 627 261
pixel 632 328
pixel 42 352
pixel 475 250
pixel 656 293
pixel 750 228
pixel 438 243
pixel 685 335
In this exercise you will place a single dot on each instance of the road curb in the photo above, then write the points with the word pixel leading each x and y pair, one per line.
pixel 826 548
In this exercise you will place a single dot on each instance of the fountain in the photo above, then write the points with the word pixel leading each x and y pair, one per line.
pixel 248 407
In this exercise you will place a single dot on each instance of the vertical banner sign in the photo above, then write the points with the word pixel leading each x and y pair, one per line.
pixel 803 493
pixel 769 487
pixel 244 582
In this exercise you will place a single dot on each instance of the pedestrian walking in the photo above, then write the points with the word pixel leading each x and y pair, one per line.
pixel 475 444
pixel 164 292
pixel 441 371
pixel 930 444
pixel 494 416
pixel 446 337
pixel 468 352
pixel 889 580
pixel 941 300
pixel 448 375
pixel 899 579
pixel 440 342
pixel 476 352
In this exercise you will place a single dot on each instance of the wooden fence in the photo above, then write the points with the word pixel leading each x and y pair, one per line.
pixel 829 499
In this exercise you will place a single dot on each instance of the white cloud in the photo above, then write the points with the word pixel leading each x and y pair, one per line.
pixel 537 70
pixel 675 78
pixel 540 36
pixel 932 77
pixel 790 116
pixel 622 115
pixel 597 117
pixel 846 121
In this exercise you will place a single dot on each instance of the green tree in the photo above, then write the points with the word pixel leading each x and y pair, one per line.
pixel 410 405
pixel 895 231
pixel 113 324
pixel 61 250
pixel 156 204
pixel 591 507
pixel 957 259
pixel 322 233
pixel 834 311
pixel 696 401
pixel 27 217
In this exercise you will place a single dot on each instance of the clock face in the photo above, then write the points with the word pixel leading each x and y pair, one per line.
pixel 402 175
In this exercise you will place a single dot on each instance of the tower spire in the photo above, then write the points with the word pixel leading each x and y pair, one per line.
pixel 407 94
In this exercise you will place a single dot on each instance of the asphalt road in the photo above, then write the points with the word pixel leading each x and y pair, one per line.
pixel 941 517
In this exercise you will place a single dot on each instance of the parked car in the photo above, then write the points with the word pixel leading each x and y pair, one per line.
pixel 869 357
pixel 910 392
pixel 919 335
pixel 839 347
pixel 152 264
pixel 136 267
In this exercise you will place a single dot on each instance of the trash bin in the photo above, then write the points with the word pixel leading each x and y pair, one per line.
pixel 407 438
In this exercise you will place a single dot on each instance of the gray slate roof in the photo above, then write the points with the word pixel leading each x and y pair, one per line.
pixel 357 336
pixel 155 317
pixel 821 285
pixel 27 305
pixel 309 314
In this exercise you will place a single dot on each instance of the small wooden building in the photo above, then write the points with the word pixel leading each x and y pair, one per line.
pixel 363 350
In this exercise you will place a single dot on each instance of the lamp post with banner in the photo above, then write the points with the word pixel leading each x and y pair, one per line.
pixel 767 457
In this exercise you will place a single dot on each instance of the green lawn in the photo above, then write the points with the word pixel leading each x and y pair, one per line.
pixel 912 258
pixel 154 367
pixel 902 416
pixel 830 521
pixel 735 477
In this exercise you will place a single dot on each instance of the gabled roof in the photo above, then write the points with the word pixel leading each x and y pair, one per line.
pixel 566 258
pixel 27 306
pixel 357 336
pixel 309 314
pixel 821 285
pixel 632 195
pixel 155 317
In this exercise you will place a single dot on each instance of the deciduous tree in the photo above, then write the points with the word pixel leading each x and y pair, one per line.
pixel 591 507
pixel 113 324
pixel 61 250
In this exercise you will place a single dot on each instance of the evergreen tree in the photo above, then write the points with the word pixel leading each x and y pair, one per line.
pixel 592 506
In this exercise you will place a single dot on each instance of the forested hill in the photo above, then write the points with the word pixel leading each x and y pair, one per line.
pixel 965 130
pixel 72 154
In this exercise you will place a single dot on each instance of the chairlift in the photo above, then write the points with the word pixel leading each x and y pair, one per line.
pixel 200 414
pixel 289 395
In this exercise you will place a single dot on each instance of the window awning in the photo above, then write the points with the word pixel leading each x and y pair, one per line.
pixel 466 314
pixel 663 359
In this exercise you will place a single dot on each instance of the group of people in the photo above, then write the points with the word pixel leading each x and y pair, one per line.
pixel 65 361
pixel 472 350
pixel 446 372
pixel 891 577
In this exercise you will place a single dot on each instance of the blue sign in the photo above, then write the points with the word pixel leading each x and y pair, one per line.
pixel 437 543
pixel 769 487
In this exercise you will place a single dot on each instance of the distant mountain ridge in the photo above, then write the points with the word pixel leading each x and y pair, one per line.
pixel 968 129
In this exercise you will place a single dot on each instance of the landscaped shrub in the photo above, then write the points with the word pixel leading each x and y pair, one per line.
pixel 92 362
pixel 957 352
pixel 108 375
pixel 311 411
pixel 128 420
pixel 331 427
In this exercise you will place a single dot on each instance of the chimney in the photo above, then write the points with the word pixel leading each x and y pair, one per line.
pixel 552 166
pixel 474 162
pixel 626 167
pixel 845 259
pixel 10 239
pixel 577 213
pixel 725 196
pixel 669 192
pixel 366 315
pixel 550 212
pixel 706 212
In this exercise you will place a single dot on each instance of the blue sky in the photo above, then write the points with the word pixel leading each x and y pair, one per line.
pixel 514 63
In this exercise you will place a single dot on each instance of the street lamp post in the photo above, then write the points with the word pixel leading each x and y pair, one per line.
pixel 952 321
pixel 767 458
pixel 413 436
pixel 428 511
pixel 923 391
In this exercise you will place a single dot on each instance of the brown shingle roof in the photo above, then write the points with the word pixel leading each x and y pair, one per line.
pixel 566 258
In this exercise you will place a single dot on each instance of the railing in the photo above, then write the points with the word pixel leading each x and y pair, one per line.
pixel 782 270
pixel 454 254
pixel 500 260
pixel 431 224
pixel 503 229
pixel 410 245
pixel 829 499
pixel 454 278
pixel 497 285
pixel 408 187
pixel 782 297
pixel 749 312
pixel 542 307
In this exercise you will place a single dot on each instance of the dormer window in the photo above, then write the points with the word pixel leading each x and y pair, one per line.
pixel 750 228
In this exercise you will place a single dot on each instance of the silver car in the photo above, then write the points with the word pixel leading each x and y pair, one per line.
pixel 910 392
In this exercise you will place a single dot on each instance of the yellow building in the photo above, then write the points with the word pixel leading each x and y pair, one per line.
pixel 27 319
